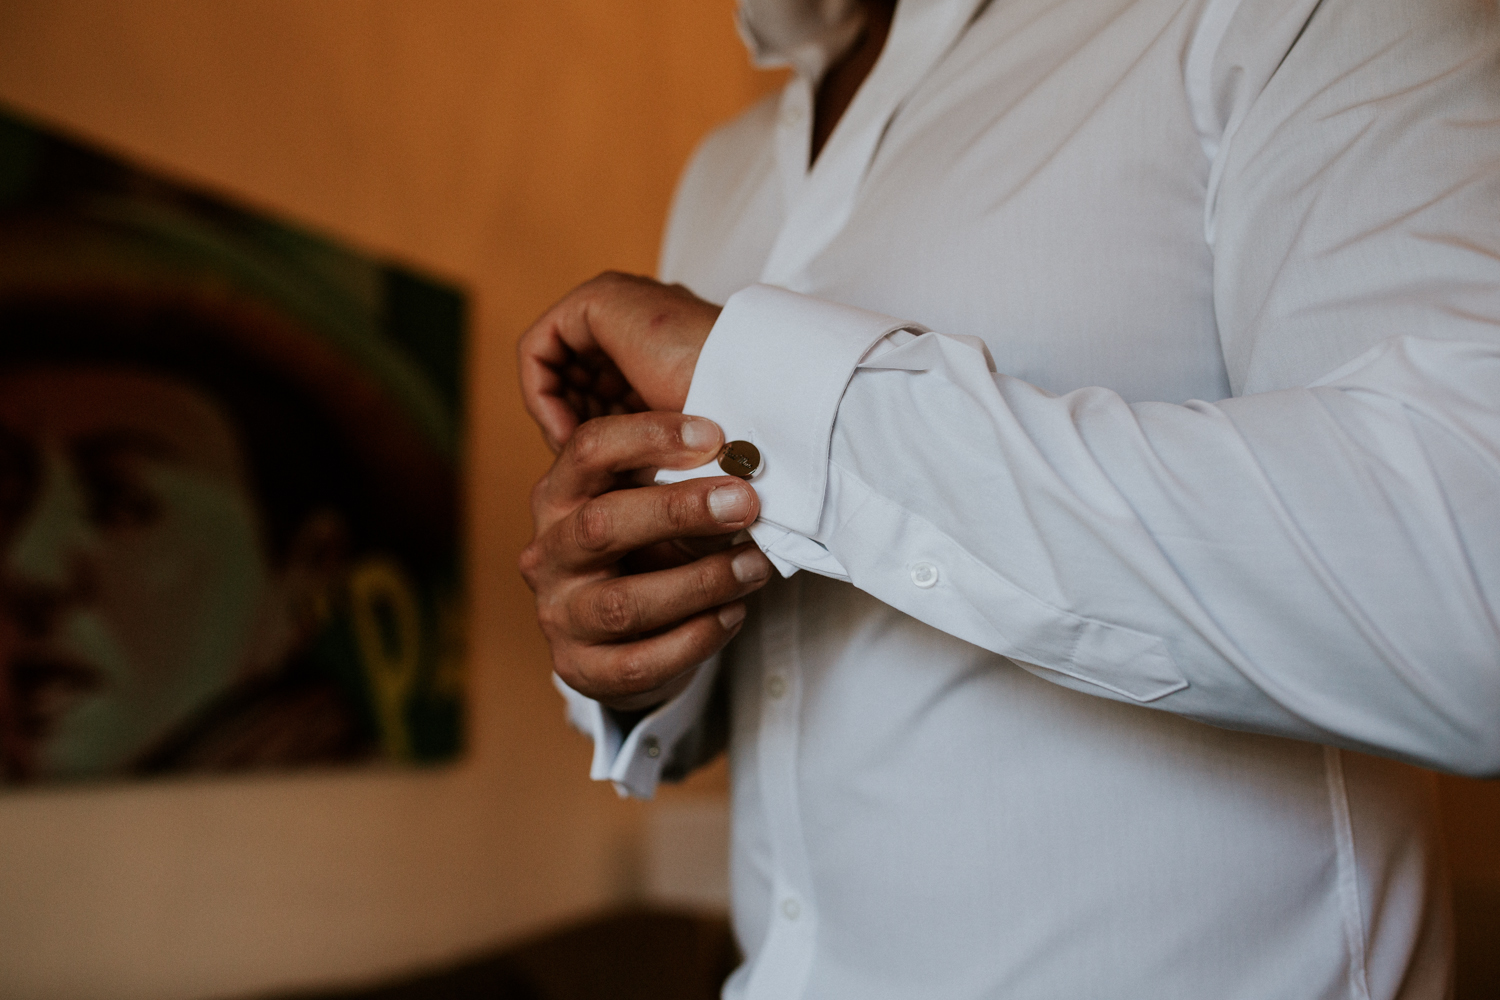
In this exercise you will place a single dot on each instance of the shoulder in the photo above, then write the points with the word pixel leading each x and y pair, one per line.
pixel 728 203
pixel 729 155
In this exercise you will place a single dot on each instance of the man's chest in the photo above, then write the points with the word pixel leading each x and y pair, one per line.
pixel 1042 187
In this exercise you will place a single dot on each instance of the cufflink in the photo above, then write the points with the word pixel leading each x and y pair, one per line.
pixel 741 459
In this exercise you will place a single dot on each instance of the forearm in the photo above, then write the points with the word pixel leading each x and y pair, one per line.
pixel 1314 563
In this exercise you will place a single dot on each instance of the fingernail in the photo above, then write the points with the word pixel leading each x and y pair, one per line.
pixel 750 566
pixel 729 503
pixel 700 435
pixel 731 615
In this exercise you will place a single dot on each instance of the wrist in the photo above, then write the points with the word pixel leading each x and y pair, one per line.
pixel 625 720
pixel 682 368
pixel 646 702
pixel 677 336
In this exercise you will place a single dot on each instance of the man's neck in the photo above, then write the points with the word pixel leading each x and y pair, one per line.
pixel 843 79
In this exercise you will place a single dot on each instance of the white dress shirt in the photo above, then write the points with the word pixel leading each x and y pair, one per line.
pixel 1209 433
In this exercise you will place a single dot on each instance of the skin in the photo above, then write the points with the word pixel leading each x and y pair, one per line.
pixel 134 585
pixel 842 81
pixel 627 613
pixel 624 597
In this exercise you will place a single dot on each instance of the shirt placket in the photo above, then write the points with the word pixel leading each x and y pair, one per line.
pixel 819 202
pixel 784 962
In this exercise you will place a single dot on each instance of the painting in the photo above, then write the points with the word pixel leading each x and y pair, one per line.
pixel 229 484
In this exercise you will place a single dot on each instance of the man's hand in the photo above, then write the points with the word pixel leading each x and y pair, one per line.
pixel 631 641
pixel 616 344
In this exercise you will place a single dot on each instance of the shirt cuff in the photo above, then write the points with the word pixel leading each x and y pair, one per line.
pixel 635 761
pixel 772 372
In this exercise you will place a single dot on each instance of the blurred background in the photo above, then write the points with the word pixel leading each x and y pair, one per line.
pixel 511 150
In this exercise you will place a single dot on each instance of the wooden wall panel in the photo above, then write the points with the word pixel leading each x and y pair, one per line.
pixel 519 148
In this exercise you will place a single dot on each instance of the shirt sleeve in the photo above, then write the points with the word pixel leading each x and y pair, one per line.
pixel 1316 558
pixel 669 742
pixel 744 381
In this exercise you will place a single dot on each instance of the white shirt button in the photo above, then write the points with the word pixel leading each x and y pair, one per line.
pixel 775 686
pixel 653 747
pixel 790 908
pixel 924 575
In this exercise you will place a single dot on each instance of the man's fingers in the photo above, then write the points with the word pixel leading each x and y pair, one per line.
pixel 626 606
pixel 607 527
pixel 542 357
pixel 636 341
pixel 673 553
pixel 560 354
pixel 600 451
pixel 633 673
pixel 559 360
pixel 600 532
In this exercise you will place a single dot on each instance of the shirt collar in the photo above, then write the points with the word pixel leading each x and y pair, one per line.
pixel 804 34
pixel 808 35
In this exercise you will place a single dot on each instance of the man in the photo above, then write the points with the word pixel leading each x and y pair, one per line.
pixel 225 508
pixel 155 598
pixel 1109 211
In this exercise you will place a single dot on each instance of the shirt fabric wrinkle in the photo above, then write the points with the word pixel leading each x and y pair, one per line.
pixel 1019 606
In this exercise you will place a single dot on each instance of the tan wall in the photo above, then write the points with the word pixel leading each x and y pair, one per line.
pixel 518 146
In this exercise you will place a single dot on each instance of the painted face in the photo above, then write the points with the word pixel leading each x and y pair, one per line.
pixel 133 579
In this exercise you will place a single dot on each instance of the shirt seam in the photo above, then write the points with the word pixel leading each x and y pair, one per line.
pixel 1083 621
pixel 1351 907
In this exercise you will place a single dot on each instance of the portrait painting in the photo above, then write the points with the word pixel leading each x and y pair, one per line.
pixel 229 484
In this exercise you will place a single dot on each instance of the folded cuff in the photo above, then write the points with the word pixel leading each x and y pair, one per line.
pixel 773 372
pixel 636 761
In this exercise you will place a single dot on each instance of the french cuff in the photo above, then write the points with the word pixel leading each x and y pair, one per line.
pixel 772 372
pixel 636 761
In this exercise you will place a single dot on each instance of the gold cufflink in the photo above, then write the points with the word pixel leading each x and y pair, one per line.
pixel 741 459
